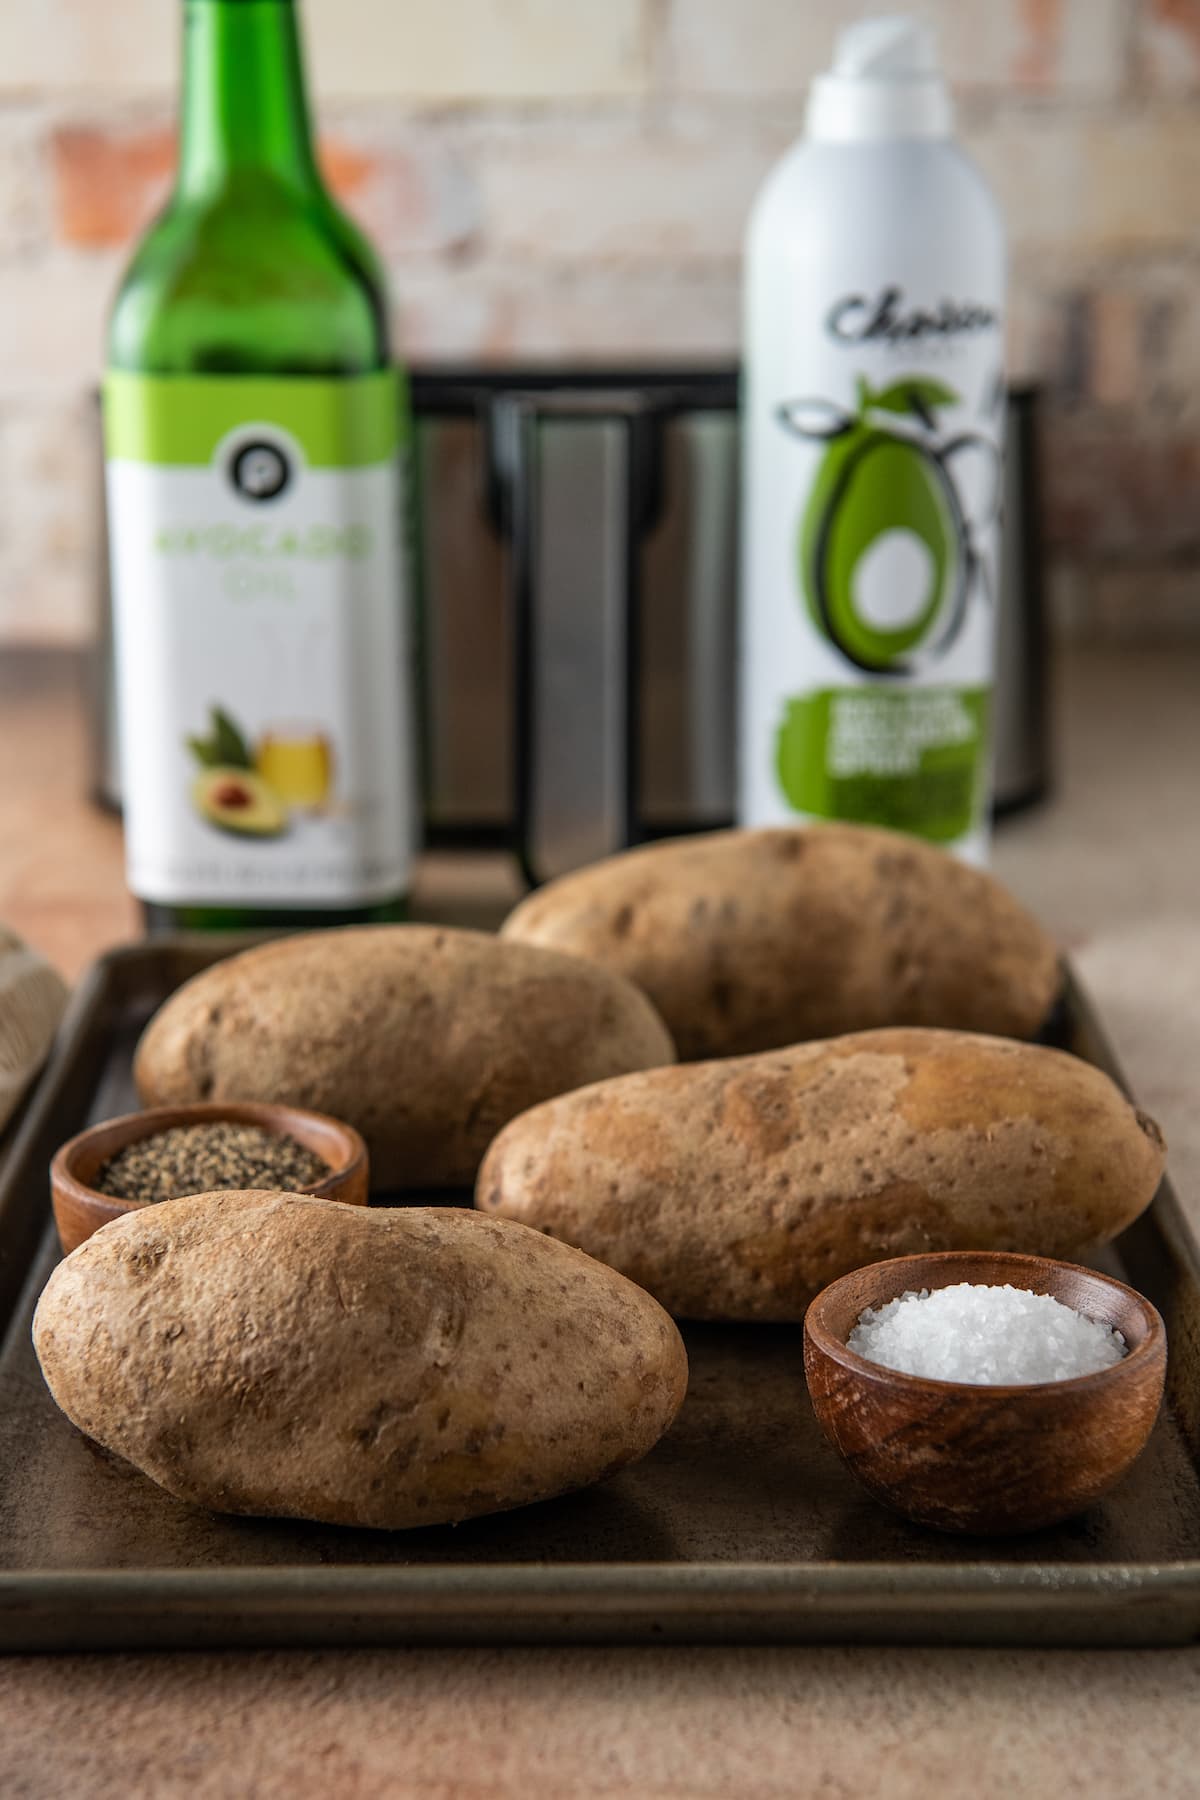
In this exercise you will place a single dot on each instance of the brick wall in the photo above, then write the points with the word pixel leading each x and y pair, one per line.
pixel 571 177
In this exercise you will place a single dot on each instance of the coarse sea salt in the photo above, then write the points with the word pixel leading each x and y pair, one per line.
pixel 989 1335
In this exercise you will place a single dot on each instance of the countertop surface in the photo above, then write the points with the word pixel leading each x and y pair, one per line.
pixel 1111 864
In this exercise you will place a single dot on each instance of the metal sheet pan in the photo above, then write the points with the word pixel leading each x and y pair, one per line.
pixel 741 1526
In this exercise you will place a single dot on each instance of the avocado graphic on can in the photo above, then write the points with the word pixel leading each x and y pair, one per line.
pixel 887 563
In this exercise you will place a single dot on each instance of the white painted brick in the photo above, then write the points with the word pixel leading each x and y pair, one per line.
pixel 54 308
pixel 1068 183
pixel 771 46
pixel 1109 184
pixel 24 180
pixel 748 46
pixel 1168 45
pixel 454 50
pixel 46 605
pixel 499 314
pixel 659 200
pixel 1082 49
pixel 49 457
pixel 88 44
pixel 402 49
pixel 411 190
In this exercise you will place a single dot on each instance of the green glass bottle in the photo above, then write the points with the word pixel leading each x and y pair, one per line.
pixel 255 427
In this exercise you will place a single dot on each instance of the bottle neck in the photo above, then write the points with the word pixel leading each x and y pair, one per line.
pixel 244 107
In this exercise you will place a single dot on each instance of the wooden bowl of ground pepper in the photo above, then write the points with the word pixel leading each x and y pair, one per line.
pixel 141 1158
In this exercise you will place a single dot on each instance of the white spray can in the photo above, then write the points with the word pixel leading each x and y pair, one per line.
pixel 873 415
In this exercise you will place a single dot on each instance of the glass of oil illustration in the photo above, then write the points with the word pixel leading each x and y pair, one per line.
pixel 297 761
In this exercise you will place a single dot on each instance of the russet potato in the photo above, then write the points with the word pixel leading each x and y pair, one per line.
pixel 276 1354
pixel 426 1039
pixel 736 1189
pixel 751 940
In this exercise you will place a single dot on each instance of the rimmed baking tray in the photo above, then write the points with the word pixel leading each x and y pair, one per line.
pixel 742 1526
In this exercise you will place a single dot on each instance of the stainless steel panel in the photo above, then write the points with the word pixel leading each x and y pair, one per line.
pixel 577 492
pixel 465 627
pixel 688 623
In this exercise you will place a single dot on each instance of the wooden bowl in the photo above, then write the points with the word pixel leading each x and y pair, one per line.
pixel 79 1209
pixel 964 1457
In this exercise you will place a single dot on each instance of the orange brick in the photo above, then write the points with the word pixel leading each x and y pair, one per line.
pixel 1040 27
pixel 109 184
pixel 1168 44
pixel 346 170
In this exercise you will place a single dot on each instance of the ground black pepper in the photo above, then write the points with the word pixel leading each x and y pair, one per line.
pixel 195 1159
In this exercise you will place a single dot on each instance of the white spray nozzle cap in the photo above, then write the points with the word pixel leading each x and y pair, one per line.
pixel 885 83
pixel 886 49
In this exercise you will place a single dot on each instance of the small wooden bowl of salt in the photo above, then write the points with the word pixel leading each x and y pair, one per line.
pixel 1039 1383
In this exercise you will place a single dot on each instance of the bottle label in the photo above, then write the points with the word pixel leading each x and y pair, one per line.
pixel 874 482
pixel 261 646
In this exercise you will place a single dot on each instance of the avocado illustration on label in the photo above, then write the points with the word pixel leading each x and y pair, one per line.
pixel 228 792
pixel 886 558
pixel 240 801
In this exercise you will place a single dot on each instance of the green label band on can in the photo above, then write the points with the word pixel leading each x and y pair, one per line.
pixel 914 761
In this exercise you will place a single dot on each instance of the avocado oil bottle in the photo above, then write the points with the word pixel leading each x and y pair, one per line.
pixel 873 416
pixel 254 425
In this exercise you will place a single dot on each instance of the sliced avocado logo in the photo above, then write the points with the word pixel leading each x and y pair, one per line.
pixel 237 800
pixel 228 792
pixel 886 557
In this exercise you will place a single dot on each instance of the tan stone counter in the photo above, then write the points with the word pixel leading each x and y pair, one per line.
pixel 1112 865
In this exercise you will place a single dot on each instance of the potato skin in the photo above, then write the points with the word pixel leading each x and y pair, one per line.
pixel 426 1039
pixel 279 1355
pixel 738 1189
pixel 753 940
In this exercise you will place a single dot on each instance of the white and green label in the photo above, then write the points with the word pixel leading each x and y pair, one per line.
pixel 890 586
pixel 914 759
pixel 874 415
pixel 258 588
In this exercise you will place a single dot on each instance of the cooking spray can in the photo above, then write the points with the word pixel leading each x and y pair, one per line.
pixel 873 414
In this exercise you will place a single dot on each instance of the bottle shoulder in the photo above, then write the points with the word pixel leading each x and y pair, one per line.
pixel 254 278
pixel 917 189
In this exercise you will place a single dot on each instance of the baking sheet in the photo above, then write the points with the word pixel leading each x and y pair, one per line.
pixel 741 1526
